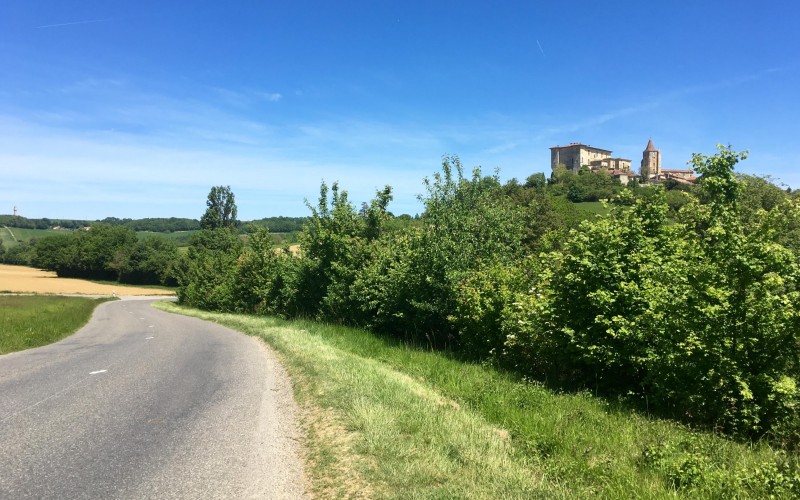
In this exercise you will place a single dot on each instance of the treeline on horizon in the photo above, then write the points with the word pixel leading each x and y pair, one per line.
pixel 151 224
pixel 683 301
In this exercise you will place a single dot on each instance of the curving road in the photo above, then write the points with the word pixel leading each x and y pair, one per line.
pixel 145 404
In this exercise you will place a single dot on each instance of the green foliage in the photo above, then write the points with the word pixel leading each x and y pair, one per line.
pixel 21 254
pixel 205 276
pixel 45 223
pixel 151 260
pixel 337 242
pixel 155 224
pixel 546 219
pixel 586 185
pixel 221 211
pixel 468 222
pixel 483 299
pixel 698 319
pixel 281 224
pixel 537 181
pixel 107 253
pixel 683 301
pixel 592 186
pixel 263 278
pixel 100 253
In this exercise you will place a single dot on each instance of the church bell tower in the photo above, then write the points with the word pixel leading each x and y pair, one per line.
pixel 651 160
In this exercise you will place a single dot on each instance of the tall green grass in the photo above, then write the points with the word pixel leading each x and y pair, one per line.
pixel 594 207
pixel 28 321
pixel 415 424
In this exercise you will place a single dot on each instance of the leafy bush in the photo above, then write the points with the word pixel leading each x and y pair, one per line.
pixel 206 278
pixel 100 253
pixel 693 314
pixel 698 319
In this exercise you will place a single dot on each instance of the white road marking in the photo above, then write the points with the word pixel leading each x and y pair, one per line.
pixel 148 338
pixel 149 326
pixel 98 371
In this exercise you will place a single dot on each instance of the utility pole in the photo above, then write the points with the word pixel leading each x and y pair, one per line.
pixel 15 210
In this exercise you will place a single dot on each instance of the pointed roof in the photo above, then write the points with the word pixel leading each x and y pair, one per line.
pixel 650 146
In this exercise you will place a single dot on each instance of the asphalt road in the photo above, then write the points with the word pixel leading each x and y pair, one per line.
pixel 145 404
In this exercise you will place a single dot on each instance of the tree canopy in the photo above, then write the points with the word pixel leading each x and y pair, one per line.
pixel 221 211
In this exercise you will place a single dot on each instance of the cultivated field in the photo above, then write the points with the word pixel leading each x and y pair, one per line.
pixel 19 279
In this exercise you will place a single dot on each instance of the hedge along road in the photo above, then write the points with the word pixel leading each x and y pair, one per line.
pixel 144 404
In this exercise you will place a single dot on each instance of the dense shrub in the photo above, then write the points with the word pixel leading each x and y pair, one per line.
pixel 698 319
pixel 206 277
pixel 411 286
pixel 108 253
pixel 686 302
pixel 151 260
pixel 100 253
pixel 21 254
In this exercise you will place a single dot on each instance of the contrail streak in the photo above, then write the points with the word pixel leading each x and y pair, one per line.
pixel 89 21
pixel 540 47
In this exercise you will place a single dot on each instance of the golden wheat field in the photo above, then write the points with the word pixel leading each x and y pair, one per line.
pixel 20 279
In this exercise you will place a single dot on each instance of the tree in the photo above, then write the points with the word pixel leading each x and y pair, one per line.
pixel 644 173
pixel 537 180
pixel 221 211
pixel 205 276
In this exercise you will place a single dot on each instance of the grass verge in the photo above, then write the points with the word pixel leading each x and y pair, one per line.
pixel 28 321
pixel 388 421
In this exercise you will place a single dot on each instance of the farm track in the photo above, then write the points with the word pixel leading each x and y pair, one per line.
pixel 11 233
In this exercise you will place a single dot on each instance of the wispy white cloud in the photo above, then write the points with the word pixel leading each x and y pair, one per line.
pixel 274 97
pixel 73 23
pixel 107 139
pixel 244 98
pixel 650 104
pixel 91 85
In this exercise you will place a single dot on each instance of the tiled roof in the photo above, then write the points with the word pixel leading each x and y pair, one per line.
pixel 582 145
pixel 650 146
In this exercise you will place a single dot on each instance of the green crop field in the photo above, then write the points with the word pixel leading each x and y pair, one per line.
pixel 181 238
pixel 27 234
pixel 594 207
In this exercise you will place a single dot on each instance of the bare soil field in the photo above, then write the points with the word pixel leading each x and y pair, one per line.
pixel 20 279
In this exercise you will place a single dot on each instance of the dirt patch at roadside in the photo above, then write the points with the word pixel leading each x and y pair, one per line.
pixel 20 279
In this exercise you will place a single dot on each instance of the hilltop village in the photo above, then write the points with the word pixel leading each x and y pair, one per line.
pixel 575 156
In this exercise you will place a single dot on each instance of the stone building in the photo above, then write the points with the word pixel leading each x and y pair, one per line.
pixel 651 165
pixel 651 161
pixel 576 155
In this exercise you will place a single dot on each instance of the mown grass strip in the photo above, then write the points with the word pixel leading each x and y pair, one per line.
pixel 28 321
pixel 389 421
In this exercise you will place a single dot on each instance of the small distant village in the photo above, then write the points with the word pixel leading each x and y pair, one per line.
pixel 575 156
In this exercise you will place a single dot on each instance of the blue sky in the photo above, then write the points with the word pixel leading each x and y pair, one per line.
pixel 135 109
